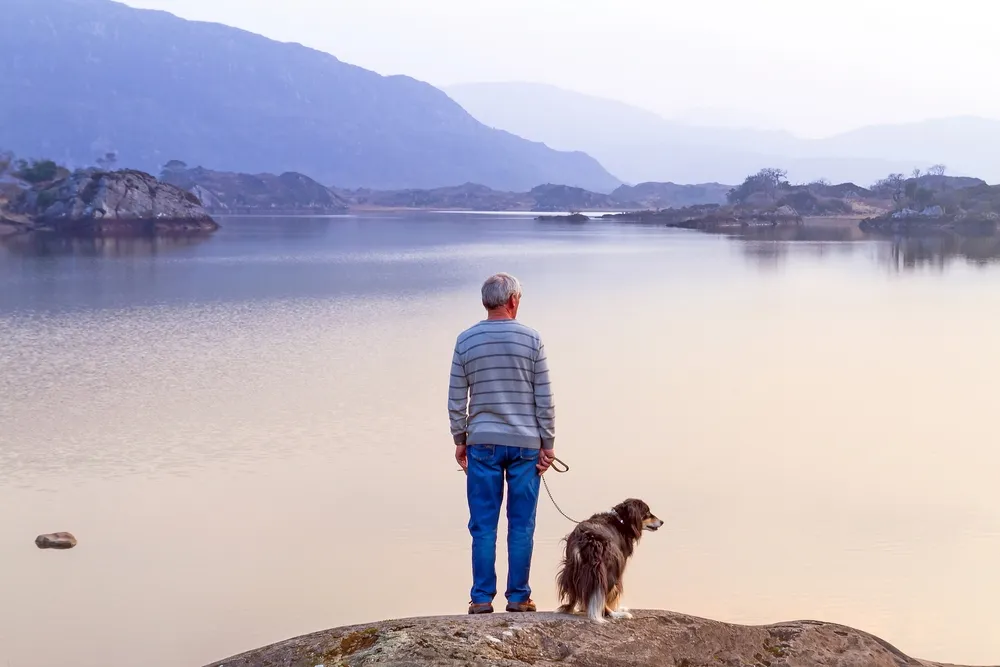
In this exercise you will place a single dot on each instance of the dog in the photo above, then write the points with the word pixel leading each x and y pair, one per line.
pixel 596 554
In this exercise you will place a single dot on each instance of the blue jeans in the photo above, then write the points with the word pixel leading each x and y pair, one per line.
pixel 484 486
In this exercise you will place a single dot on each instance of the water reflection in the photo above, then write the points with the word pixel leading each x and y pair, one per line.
pixel 768 247
pixel 56 245
pixel 939 251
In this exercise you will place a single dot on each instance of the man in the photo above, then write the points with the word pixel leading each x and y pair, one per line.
pixel 503 421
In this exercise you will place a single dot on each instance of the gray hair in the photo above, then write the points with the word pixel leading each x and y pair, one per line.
pixel 498 289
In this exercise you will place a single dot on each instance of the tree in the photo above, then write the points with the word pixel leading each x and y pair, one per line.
pixel 172 167
pixel 937 170
pixel 916 173
pixel 889 185
pixel 923 197
pixel 767 181
pixel 108 161
pixel 37 171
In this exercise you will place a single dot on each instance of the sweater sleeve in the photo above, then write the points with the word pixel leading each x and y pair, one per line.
pixel 545 406
pixel 458 399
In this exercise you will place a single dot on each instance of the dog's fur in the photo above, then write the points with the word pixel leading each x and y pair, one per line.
pixel 596 554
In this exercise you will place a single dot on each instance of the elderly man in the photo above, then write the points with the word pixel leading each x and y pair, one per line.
pixel 503 421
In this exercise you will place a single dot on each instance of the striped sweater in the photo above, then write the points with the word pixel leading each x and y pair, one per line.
pixel 500 392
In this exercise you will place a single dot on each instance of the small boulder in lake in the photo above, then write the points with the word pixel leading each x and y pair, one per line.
pixel 55 541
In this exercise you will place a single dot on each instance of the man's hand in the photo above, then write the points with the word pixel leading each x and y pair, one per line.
pixel 545 459
pixel 462 457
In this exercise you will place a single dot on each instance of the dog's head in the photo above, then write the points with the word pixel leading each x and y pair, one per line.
pixel 636 514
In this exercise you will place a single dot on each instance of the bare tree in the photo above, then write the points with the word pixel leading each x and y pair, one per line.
pixel 768 181
pixel 916 173
pixel 937 170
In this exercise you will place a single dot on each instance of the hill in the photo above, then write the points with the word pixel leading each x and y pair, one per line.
pixel 639 145
pixel 474 197
pixel 228 192
pixel 672 195
pixel 652 638
pixel 81 78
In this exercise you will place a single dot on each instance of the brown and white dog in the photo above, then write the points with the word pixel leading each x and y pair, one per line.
pixel 596 554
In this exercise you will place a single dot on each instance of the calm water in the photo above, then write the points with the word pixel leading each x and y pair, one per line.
pixel 248 433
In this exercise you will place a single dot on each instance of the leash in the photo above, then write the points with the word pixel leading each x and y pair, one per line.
pixel 553 466
pixel 546 485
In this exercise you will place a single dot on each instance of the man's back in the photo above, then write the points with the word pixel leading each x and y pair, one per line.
pixel 500 375
pixel 503 423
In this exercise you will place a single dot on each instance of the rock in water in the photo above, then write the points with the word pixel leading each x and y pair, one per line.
pixel 55 541
pixel 128 201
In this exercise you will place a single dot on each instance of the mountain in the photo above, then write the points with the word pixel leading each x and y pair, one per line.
pixel 81 78
pixel 639 145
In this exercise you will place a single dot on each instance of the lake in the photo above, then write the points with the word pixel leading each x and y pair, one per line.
pixel 248 433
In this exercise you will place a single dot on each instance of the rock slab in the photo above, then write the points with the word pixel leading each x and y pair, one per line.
pixel 55 541
pixel 651 639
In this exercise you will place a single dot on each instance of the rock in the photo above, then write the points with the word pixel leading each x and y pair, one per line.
pixel 572 217
pixel 55 541
pixel 652 638
pixel 94 202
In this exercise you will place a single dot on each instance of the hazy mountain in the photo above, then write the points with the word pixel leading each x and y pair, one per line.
pixel 672 195
pixel 79 78
pixel 639 145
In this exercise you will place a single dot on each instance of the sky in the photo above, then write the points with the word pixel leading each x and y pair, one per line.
pixel 812 68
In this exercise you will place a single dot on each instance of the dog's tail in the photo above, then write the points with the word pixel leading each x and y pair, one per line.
pixel 583 578
pixel 595 606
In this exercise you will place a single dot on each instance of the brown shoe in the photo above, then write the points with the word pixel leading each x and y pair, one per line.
pixel 521 606
pixel 480 608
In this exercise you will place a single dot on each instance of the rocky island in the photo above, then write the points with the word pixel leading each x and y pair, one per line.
pixel 937 204
pixel 651 639
pixel 103 203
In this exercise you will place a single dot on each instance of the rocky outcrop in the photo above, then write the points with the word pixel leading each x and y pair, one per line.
pixel 651 639
pixel 96 203
pixel 711 217
pixel 572 217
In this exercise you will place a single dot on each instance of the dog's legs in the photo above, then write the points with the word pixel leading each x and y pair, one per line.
pixel 614 608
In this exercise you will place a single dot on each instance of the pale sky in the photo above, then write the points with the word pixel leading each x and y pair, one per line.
pixel 811 67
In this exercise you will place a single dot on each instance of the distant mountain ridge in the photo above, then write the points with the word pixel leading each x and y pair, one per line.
pixel 639 145
pixel 234 193
pixel 80 78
